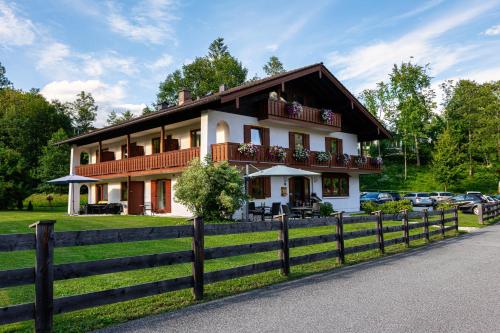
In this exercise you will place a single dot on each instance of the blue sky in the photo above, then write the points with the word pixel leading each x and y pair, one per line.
pixel 120 50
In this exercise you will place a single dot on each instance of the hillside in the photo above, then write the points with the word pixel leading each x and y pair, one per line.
pixel 421 179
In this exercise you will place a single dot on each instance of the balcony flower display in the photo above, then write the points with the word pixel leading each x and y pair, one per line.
pixel 322 157
pixel 344 159
pixel 360 161
pixel 326 115
pixel 294 109
pixel 301 154
pixel 278 153
pixel 248 149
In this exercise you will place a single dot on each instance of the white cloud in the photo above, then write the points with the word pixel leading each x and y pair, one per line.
pixel 150 21
pixel 418 10
pixel 492 31
pixel 14 30
pixel 162 62
pixel 52 55
pixel 371 63
pixel 96 65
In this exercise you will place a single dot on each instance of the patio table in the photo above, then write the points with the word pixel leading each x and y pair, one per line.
pixel 302 210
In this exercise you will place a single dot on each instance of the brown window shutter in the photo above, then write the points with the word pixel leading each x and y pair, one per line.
pixel 267 187
pixel 250 187
pixel 307 144
pixel 168 196
pixel 340 148
pixel 291 140
pixel 246 133
pixel 154 197
pixel 266 140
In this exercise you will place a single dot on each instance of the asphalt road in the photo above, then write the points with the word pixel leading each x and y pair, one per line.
pixel 449 286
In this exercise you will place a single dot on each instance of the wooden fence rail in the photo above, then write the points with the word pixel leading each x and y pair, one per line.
pixel 45 272
pixel 488 211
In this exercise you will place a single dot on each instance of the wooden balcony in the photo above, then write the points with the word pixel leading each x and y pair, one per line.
pixel 140 164
pixel 344 163
pixel 277 110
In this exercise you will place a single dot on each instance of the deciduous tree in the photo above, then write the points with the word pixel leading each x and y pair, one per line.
pixel 273 66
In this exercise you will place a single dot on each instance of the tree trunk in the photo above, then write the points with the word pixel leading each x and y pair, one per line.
pixel 470 155
pixel 416 150
pixel 406 167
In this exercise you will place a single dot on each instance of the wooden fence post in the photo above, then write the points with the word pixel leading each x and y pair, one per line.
pixel 455 215
pixel 426 224
pixel 441 224
pixel 340 238
pixel 44 276
pixel 406 228
pixel 284 252
pixel 380 231
pixel 198 257
pixel 480 214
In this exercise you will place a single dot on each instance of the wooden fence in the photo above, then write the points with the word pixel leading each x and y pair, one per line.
pixel 488 211
pixel 44 240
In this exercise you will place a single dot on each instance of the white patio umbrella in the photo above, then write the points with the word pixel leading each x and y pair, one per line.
pixel 279 170
pixel 72 179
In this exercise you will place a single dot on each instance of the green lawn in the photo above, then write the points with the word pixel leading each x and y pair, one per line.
pixel 91 319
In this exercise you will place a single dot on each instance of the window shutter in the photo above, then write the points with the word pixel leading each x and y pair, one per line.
pixel 340 148
pixel 168 196
pixel 267 187
pixel 328 145
pixel 154 197
pixel 246 133
pixel 266 140
pixel 250 187
pixel 306 141
pixel 291 140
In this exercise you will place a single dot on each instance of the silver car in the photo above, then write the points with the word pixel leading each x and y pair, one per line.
pixel 419 199
pixel 440 196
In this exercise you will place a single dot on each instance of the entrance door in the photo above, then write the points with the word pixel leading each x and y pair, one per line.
pixel 299 191
pixel 136 198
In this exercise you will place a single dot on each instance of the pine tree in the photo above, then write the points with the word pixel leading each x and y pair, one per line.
pixel 447 160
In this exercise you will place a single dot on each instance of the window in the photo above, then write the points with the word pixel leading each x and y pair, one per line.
pixel 335 185
pixel 155 145
pixel 256 136
pixel 299 140
pixel 101 192
pixel 195 138
pixel 333 146
pixel 124 191
pixel 259 188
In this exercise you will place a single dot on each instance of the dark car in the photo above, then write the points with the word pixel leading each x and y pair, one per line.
pixel 467 203
pixel 376 197
pixel 395 195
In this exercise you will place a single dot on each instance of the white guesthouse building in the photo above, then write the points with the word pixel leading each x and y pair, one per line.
pixel 139 161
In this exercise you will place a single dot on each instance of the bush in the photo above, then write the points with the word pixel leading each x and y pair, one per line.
pixel 325 209
pixel 212 191
pixel 390 207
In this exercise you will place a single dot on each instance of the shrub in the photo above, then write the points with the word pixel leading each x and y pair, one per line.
pixel 369 206
pixel 325 209
pixel 390 207
pixel 212 191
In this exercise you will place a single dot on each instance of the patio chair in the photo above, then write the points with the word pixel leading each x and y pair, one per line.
pixel 275 210
pixel 315 211
pixel 288 212
pixel 147 207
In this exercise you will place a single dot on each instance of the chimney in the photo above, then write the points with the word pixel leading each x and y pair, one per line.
pixel 184 96
pixel 222 87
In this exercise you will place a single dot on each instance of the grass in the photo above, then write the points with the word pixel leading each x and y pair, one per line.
pixel 94 318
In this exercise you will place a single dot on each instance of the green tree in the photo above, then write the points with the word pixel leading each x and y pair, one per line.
pixel 4 81
pixel 273 66
pixel 213 191
pixel 204 75
pixel 54 162
pixel 83 111
pixel 116 118
pixel 13 185
pixel 411 89
pixel 447 160
pixel 148 109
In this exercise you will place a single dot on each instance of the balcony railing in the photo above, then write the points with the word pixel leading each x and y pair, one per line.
pixel 229 152
pixel 171 159
pixel 277 109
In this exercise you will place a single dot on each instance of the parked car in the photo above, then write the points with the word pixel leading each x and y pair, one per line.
pixel 419 199
pixel 467 203
pixel 490 199
pixel 376 197
pixel 395 196
pixel 440 196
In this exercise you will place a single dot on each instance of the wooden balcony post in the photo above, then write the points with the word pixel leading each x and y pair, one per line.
pixel 99 152
pixel 128 146
pixel 44 276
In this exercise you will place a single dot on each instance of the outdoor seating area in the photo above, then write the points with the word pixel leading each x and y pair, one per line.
pixel 263 212
pixel 102 209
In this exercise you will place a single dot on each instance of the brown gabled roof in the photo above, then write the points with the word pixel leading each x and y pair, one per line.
pixel 228 95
